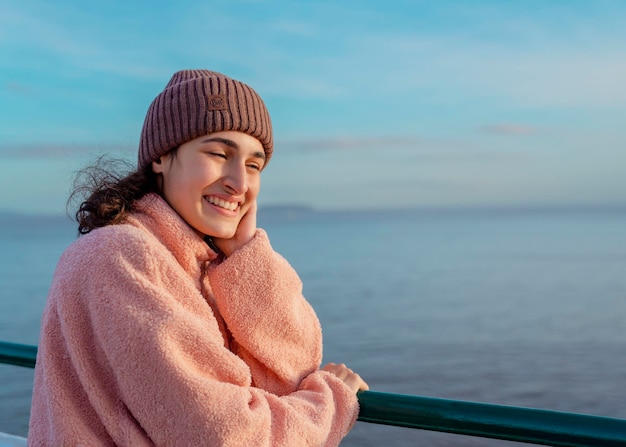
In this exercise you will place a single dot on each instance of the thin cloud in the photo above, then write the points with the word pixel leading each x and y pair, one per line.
pixel 349 143
pixel 19 88
pixel 53 151
pixel 295 28
pixel 43 151
pixel 59 43
pixel 550 73
pixel 509 129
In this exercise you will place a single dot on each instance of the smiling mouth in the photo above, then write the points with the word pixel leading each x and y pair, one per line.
pixel 231 206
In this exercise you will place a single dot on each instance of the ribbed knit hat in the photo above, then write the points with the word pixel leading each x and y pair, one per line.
pixel 199 102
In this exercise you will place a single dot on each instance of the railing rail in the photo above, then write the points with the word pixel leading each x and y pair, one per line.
pixel 519 424
pixel 528 425
pixel 18 354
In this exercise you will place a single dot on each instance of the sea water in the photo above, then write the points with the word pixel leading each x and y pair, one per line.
pixel 524 308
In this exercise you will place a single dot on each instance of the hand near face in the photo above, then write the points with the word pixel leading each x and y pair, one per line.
pixel 244 234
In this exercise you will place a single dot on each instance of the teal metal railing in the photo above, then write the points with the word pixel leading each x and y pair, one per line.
pixel 528 425
pixel 492 421
pixel 16 354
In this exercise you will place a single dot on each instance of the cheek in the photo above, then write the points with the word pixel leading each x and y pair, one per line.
pixel 254 187
pixel 192 177
pixel 179 187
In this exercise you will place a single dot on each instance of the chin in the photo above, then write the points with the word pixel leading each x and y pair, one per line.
pixel 220 233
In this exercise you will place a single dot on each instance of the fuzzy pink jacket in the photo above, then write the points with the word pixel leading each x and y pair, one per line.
pixel 147 341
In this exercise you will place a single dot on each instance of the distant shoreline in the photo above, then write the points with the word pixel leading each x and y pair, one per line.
pixel 298 212
pixel 274 212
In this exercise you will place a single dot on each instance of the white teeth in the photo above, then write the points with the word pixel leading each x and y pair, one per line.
pixel 222 203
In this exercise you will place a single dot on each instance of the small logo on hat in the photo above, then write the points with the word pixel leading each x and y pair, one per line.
pixel 217 102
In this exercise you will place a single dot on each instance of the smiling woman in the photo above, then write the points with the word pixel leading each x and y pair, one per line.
pixel 171 320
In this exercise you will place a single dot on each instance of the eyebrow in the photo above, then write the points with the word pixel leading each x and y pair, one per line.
pixel 231 144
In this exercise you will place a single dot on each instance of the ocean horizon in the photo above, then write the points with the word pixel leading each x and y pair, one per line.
pixel 288 211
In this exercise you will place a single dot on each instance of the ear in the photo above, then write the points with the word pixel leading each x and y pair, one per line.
pixel 161 164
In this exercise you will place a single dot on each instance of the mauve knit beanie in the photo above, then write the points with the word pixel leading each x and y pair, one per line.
pixel 199 102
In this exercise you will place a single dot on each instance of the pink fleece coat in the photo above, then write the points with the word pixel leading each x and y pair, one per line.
pixel 147 341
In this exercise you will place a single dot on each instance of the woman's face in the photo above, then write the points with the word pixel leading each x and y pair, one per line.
pixel 211 181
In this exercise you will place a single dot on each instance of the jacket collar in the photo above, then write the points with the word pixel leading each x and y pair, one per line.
pixel 155 214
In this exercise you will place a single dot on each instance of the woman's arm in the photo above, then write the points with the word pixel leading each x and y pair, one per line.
pixel 156 345
pixel 274 328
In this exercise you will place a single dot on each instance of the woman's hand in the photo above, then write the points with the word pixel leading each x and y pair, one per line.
pixel 245 232
pixel 349 377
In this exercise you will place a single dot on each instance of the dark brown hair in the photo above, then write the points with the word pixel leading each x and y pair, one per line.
pixel 107 191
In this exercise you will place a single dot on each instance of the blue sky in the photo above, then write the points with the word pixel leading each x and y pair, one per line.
pixel 374 104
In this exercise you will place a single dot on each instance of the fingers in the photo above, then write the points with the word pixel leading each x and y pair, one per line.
pixel 349 377
pixel 246 229
pixel 247 226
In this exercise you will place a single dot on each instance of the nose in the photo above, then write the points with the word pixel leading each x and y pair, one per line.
pixel 235 179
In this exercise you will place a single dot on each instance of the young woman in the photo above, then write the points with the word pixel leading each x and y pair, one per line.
pixel 171 321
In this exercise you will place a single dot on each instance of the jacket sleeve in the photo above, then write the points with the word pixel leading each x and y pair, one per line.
pixel 274 328
pixel 168 363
